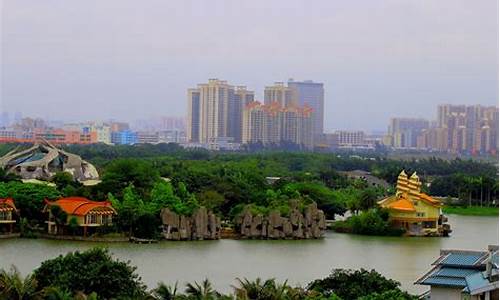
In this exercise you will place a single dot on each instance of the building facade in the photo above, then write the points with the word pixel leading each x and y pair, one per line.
pixel 413 211
pixel 311 94
pixel 88 215
pixel 272 124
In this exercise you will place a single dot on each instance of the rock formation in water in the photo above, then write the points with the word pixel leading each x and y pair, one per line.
pixel 202 225
pixel 307 225
pixel 43 160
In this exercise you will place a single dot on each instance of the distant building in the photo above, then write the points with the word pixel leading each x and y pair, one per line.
pixel 463 274
pixel 119 126
pixel 279 93
pixel 145 137
pixel 215 111
pixel 404 132
pixel 417 213
pixel 125 137
pixel 462 129
pixel 311 94
pixel 272 124
pixel 194 115
pixel 172 136
pixel 350 138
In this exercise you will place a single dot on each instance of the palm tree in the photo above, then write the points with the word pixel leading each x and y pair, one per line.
pixel 13 286
pixel 165 292
pixel 55 293
pixel 201 292
pixel 262 290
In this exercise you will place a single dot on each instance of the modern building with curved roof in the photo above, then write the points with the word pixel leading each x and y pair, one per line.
pixel 87 214
pixel 43 160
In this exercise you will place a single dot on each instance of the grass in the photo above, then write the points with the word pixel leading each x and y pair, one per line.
pixel 471 210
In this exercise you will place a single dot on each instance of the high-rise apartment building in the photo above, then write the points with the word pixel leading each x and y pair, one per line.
pixel 271 124
pixel 311 94
pixel 240 99
pixel 194 114
pixel 472 129
pixel 279 93
pixel 403 132
pixel 215 111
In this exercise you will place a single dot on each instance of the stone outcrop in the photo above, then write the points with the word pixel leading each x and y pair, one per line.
pixel 308 225
pixel 202 225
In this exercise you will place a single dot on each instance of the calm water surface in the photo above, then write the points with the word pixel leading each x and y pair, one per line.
pixel 403 259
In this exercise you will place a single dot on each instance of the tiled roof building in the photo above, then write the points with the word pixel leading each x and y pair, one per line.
pixel 7 211
pixel 87 213
pixel 416 212
pixel 462 274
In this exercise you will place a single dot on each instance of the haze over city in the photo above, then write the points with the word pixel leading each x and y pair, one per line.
pixel 128 60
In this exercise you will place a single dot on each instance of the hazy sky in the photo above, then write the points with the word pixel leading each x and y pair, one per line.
pixel 123 59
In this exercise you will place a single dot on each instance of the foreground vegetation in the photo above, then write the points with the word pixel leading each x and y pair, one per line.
pixel 140 180
pixel 471 210
pixel 94 274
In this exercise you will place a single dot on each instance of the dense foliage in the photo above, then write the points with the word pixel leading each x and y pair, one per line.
pixel 94 274
pixel 358 284
pixel 370 222
pixel 90 271
pixel 140 180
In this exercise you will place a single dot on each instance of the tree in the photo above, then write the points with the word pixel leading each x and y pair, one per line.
pixel 73 225
pixel 63 179
pixel 30 198
pixel 165 292
pixel 203 291
pixel 13 286
pixel 90 271
pixel 268 289
pixel 122 173
pixel 210 199
pixel 60 216
pixel 367 199
pixel 56 293
pixel 352 284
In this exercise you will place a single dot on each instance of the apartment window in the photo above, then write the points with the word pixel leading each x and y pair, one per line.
pixel 420 214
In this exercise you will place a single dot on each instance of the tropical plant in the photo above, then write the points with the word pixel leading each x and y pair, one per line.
pixel 14 286
pixel 165 292
pixel 203 291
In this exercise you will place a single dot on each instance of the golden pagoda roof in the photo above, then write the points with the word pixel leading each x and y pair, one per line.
pixel 402 204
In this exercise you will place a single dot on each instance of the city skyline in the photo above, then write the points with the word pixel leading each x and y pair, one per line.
pixel 139 62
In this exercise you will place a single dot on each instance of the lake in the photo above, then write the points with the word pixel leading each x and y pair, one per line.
pixel 403 259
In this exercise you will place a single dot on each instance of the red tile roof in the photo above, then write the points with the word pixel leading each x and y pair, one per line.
pixel 7 204
pixel 79 206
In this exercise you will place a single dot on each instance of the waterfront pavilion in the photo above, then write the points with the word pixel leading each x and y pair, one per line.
pixel 7 211
pixel 88 215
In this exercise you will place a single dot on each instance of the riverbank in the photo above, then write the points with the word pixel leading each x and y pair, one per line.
pixel 471 210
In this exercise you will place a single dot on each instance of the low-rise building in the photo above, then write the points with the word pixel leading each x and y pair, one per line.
pixel 463 274
pixel 417 213
pixel 125 137
pixel 88 215
pixel 7 212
